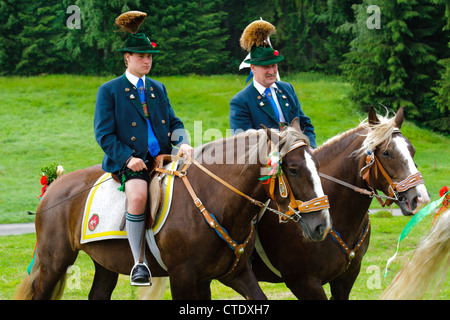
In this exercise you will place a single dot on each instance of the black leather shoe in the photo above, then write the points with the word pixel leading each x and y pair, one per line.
pixel 140 275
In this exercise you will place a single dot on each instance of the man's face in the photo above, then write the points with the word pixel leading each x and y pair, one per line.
pixel 139 64
pixel 265 75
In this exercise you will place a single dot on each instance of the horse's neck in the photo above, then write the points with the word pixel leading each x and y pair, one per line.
pixel 237 211
pixel 348 208
pixel 230 160
pixel 337 158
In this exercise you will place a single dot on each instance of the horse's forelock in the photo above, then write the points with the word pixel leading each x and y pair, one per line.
pixel 288 138
pixel 378 134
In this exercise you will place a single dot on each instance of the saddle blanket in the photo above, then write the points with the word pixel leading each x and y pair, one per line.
pixel 105 208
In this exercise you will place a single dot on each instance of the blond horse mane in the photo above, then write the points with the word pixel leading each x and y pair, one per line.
pixel 427 268
pixel 376 135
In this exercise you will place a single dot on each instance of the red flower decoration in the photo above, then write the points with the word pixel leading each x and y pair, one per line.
pixel 443 191
pixel 154 44
pixel 45 185
pixel 276 53
pixel 44 180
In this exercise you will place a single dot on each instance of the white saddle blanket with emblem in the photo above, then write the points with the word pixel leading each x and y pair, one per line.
pixel 105 208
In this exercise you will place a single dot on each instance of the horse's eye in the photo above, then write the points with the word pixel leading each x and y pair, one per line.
pixel 293 172
pixel 386 154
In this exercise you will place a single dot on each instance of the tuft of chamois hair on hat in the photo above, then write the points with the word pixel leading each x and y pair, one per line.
pixel 130 21
pixel 256 34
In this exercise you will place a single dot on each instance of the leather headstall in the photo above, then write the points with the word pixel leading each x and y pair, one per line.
pixel 295 206
pixel 372 162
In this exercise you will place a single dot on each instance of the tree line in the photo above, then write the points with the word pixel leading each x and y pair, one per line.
pixel 393 52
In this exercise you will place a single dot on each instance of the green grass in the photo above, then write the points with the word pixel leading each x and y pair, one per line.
pixel 50 118
pixel 17 252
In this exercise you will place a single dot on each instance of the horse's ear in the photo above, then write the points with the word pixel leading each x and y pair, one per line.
pixel 399 117
pixel 296 124
pixel 373 119
pixel 268 132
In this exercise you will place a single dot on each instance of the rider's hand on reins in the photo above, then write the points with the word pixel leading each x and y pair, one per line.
pixel 186 150
pixel 136 164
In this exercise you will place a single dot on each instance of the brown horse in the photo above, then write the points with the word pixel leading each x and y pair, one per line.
pixel 347 158
pixel 190 249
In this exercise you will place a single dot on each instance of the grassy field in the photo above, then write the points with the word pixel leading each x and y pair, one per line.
pixel 50 118
pixel 17 252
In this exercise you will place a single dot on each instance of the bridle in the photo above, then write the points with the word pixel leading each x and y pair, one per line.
pixel 372 163
pixel 295 206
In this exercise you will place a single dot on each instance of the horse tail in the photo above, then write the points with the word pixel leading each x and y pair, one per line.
pixel 429 264
pixel 156 291
pixel 25 290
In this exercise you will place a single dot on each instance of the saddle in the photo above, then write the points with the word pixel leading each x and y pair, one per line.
pixel 155 188
pixel 155 192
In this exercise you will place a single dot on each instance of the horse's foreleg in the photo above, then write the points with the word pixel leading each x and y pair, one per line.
pixel 307 289
pixel 342 286
pixel 104 283
pixel 245 284
pixel 185 285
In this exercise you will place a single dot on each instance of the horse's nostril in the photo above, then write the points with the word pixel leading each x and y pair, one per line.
pixel 320 229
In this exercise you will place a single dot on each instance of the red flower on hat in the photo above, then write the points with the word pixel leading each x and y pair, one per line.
pixel 276 53
pixel 154 44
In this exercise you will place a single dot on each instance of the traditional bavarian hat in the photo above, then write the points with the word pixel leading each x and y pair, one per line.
pixel 136 42
pixel 256 40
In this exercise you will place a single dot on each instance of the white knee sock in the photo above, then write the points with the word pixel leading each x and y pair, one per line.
pixel 135 227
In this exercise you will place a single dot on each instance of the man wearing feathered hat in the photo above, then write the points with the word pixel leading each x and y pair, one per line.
pixel 266 101
pixel 133 123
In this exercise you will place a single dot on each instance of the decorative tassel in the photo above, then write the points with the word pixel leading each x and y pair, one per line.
pixel 274 164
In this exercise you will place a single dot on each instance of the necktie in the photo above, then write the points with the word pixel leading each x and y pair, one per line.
pixel 153 145
pixel 272 102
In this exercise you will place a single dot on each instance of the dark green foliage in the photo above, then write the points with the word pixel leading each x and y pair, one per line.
pixel 397 65
pixel 191 36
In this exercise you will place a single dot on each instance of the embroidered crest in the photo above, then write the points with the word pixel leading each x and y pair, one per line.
pixel 93 222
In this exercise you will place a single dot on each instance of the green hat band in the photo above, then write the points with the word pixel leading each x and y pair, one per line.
pixel 138 43
pixel 263 56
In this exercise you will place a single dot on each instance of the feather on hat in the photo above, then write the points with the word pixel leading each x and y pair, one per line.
pixel 256 34
pixel 130 21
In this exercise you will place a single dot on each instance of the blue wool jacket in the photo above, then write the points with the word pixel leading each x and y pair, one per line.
pixel 249 109
pixel 120 125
